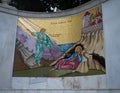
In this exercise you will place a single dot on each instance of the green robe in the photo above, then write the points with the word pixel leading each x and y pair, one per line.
pixel 42 41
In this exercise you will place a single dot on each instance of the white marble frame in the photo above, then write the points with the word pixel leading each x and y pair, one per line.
pixel 108 81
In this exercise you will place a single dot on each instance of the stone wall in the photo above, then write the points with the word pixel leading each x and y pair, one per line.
pixel 108 83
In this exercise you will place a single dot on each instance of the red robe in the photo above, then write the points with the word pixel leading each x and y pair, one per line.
pixel 67 64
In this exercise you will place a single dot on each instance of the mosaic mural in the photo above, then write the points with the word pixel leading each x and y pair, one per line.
pixel 60 47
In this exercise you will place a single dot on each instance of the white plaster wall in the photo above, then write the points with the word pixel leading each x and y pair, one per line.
pixel 59 91
pixel 108 83
pixel 7 44
pixel 111 16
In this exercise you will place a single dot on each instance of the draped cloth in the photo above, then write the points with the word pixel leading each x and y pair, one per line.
pixel 70 63
pixel 42 41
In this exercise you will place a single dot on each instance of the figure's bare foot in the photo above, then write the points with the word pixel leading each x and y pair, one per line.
pixel 53 69
pixel 74 71
pixel 34 63
pixel 39 64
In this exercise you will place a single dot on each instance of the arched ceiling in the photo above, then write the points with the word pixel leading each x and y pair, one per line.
pixel 46 5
